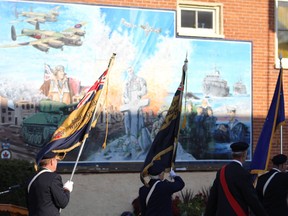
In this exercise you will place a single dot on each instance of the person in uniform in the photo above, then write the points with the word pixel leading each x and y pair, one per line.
pixel 272 187
pixel 156 199
pixel 232 192
pixel 46 194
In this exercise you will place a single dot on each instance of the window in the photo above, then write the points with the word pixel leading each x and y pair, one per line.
pixel 199 19
pixel 282 32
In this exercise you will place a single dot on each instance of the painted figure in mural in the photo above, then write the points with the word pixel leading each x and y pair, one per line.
pixel 59 87
pixel 158 123
pixel 135 88
pixel 210 123
pixel 201 125
pixel 233 131
pixel 205 106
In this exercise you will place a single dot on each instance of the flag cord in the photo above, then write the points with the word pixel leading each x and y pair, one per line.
pixel 107 123
pixel 94 113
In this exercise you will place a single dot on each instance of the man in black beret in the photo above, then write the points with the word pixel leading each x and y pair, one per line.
pixel 156 198
pixel 46 194
pixel 232 192
pixel 272 187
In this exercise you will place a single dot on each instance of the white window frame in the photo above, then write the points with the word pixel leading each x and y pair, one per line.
pixel 215 8
pixel 277 60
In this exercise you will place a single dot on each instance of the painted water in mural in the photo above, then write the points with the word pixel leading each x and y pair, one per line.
pixel 52 53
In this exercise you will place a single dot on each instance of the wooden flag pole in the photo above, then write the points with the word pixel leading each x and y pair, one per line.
pixel 94 113
pixel 281 131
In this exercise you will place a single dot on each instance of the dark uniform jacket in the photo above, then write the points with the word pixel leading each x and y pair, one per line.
pixel 160 202
pixel 46 195
pixel 240 185
pixel 275 197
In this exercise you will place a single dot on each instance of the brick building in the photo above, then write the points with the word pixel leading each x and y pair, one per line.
pixel 255 21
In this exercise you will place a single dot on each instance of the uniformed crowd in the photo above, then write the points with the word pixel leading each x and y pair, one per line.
pixel 233 191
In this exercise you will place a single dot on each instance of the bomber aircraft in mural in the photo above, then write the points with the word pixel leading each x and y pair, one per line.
pixel 46 39
pixel 34 17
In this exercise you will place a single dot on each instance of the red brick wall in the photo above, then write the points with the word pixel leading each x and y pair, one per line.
pixel 251 20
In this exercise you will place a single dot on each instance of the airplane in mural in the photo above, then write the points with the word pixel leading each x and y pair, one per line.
pixel 46 39
pixel 38 17
pixel 147 28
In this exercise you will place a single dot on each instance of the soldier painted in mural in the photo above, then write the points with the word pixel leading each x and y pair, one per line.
pixel 201 127
pixel 233 130
pixel 135 88
pixel 59 87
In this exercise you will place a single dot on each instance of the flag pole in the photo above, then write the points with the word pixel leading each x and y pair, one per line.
pixel 281 128
pixel 184 70
pixel 94 113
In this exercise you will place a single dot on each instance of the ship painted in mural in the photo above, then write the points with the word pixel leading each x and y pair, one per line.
pixel 214 85
pixel 239 88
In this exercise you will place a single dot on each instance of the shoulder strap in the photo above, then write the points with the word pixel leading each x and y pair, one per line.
pixel 268 181
pixel 39 173
pixel 232 201
pixel 151 191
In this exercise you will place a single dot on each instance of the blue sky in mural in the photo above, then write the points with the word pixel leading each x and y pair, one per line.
pixel 144 39
pixel 231 59
pixel 126 32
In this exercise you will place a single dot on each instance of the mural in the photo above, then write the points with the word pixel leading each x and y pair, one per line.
pixel 52 53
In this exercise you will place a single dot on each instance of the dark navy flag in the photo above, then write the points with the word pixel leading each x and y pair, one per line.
pixel 275 118
pixel 73 131
pixel 164 145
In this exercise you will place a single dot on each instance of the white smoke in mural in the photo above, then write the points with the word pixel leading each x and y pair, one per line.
pixel 16 90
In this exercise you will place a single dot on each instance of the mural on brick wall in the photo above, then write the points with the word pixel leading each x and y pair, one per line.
pixel 51 53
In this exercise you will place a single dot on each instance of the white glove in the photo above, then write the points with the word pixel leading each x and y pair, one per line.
pixel 68 186
pixel 172 174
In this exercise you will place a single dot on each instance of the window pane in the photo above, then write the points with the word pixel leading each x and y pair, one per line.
pixel 283 29
pixel 205 19
pixel 188 19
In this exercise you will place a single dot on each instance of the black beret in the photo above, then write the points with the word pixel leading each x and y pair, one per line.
pixel 279 159
pixel 49 155
pixel 239 146
pixel 156 168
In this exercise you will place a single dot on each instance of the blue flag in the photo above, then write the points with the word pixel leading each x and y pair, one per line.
pixel 275 118
pixel 73 131
pixel 164 145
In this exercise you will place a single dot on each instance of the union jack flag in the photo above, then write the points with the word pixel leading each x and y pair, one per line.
pixel 77 125
pixel 98 85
